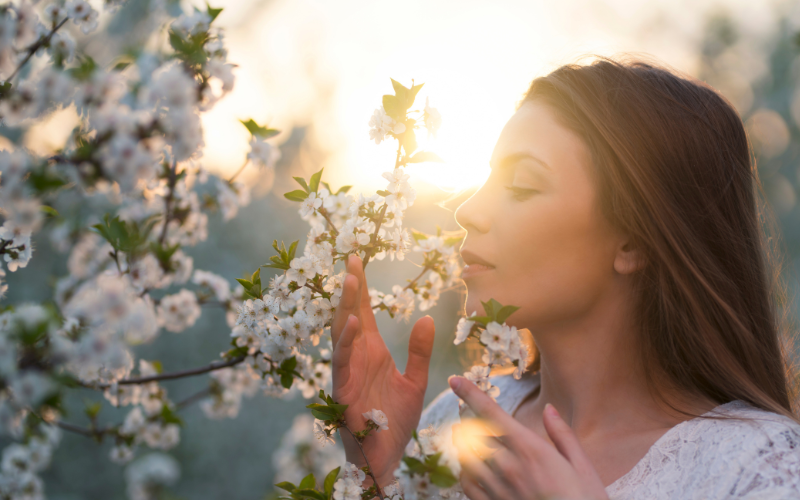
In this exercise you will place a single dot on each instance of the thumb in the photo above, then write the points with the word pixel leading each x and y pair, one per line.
pixel 568 445
pixel 420 346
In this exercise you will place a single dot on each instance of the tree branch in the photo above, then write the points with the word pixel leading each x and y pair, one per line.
pixel 173 178
pixel 36 46
pixel 369 469
pixel 241 169
pixel 173 375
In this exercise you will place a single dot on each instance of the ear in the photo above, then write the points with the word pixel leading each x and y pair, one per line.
pixel 629 259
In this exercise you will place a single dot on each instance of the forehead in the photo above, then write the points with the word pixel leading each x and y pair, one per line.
pixel 535 130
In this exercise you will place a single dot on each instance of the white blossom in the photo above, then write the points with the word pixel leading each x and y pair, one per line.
pixel 179 311
pixel 262 153
pixel 432 118
pixel 378 418
pixel 463 329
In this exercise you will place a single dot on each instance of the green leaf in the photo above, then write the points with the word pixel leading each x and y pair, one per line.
pixel 327 411
pixel 43 180
pixel 492 308
pixel 293 250
pixel 246 284
pixel 52 212
pixel 308 482
pixel 286 485
pixel 84 70
pixel 93 409
pixel 121 65
pixel 409 140
pixel 309 493
pixel 418 236
pixel 425 156
pixel 258 130
pixel 289 364
pixel 330 479
pixel 412 94
pixel 482 320
pixel 169 417
pixel 442 477
pixel 313 186
pixel 303 183
pixel 296 195
pixel 318 414
pixel 505 312
pixel 286 380
pixel 256 278
pixel 393 108
pixel 399 89
pixel 343 189
pixel 212 12
pixel 383 192
pixel 5 89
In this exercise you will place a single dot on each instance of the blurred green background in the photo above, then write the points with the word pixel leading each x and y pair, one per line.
pixel 316 70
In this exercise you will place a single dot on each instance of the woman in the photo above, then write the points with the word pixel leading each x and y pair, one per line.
pixel 621 217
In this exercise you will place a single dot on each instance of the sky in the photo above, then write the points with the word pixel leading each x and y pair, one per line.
pixel 326 65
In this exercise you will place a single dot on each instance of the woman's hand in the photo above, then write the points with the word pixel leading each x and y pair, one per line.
pixel 525 465
pixel 365 376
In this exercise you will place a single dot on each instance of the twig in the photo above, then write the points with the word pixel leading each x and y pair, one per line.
pixel 36 46
pixel 173 176
pixel 324 213
pixel 173 375
pixel 366 460
pixel 374 237
pixel 241 169
pixel 193 398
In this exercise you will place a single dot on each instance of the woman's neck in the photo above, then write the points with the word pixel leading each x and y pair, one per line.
pixel 591 371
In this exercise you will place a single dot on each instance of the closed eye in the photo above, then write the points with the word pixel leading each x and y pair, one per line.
pixel 521 194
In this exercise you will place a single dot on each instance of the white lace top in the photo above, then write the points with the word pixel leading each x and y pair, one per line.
pixel 697 459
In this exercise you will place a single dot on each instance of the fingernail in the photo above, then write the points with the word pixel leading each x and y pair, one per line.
pixel 551 410
pixel 454 381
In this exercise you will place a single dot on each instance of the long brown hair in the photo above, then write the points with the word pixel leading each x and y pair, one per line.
pixel 675 173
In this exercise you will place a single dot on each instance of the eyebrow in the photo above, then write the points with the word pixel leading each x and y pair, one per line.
pixel 514 158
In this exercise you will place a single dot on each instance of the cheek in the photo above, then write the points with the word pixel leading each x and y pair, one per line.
pixel 556 260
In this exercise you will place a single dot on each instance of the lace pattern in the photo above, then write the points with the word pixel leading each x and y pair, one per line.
pixel 752 455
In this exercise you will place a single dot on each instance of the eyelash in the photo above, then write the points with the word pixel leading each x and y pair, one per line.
pixel 521 194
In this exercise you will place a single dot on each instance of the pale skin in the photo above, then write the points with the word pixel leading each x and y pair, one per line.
pixel 537 239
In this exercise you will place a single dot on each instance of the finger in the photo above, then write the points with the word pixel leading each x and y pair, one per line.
pixel 347 306
pixel 340 362
pixel 568 445
pixel 472 489
pixel 420 347
pixel 366 316
pixel 509 467
pixel 471 465
pixel 484 406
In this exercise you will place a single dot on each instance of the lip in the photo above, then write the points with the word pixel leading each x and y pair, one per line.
pixel 475 265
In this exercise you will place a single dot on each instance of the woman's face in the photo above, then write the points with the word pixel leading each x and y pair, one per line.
pixel 536 237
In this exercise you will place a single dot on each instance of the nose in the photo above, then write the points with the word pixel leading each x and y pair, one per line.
pixel 475 213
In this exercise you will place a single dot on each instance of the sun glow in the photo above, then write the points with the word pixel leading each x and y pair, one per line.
pixel 325 66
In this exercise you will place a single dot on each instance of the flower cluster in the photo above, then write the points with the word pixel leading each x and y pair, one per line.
pixel 502 344
pixel 130 178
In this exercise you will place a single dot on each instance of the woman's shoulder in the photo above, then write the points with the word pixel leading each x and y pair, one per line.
pixel 444 407
pixel 746 453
